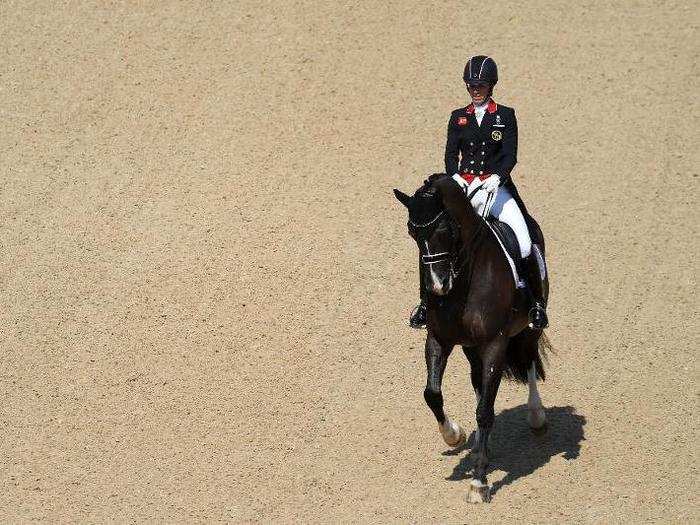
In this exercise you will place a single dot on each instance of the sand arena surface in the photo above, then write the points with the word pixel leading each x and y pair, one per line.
pixel 205 277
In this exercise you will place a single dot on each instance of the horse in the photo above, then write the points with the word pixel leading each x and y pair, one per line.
pixel 473 301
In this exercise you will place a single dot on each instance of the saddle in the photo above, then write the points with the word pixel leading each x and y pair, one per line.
pixel 509 243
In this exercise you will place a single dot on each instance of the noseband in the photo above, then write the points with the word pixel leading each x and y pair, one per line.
pixel 434 258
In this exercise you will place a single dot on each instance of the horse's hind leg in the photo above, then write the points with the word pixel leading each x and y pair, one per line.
pixel 528 347
pixel 535 411
pixel 493 359
pixel 436 360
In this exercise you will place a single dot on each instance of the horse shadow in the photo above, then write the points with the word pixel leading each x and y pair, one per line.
pixel 516 450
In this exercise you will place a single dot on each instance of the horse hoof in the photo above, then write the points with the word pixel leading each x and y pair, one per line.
pixel 539 431
pixel 478 492
pixel 537 421
pixel 453 434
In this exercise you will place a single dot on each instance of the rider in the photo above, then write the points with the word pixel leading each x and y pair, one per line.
pixel 485 136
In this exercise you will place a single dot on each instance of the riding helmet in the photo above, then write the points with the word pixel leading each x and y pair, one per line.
pixel 481 68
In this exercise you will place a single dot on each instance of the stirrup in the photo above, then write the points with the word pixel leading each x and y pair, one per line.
pixel 537 317
pixel 419 317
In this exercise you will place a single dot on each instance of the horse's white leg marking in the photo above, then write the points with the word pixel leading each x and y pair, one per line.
pixel 452 433
pixel 478 492
pixel 535 411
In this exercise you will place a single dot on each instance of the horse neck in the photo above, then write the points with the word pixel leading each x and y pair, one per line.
pixel 469 223
pixel 471 228
pixel 458 206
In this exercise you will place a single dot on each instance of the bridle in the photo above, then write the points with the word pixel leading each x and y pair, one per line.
pixel 461 258
pixel 426 224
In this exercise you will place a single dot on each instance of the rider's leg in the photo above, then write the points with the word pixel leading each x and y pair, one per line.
pixel 419 315
pixel 538 314
pixel 505 209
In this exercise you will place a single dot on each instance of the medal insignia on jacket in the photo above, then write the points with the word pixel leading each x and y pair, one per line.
pixel 462 121
pixel 498 120
pixel 496 135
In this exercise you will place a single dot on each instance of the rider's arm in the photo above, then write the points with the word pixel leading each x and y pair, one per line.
pixel 452 147
pixel 508 155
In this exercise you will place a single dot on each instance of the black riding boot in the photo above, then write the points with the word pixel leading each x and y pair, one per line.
pixel 419 315
pixel 537 314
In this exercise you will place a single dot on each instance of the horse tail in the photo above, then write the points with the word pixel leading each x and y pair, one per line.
pixel 523 349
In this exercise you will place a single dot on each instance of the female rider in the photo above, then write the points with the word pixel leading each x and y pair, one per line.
pixel 481 149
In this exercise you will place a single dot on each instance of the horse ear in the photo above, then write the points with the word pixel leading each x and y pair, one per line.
pixel 402 197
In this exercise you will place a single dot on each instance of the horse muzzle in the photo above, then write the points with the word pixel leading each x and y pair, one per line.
pixel 441 287
pixel 438 272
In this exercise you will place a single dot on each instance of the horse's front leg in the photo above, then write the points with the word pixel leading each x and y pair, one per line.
pixel 436 360
pixel 475 374
pixel 492 363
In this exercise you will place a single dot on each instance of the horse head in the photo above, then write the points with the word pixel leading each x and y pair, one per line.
pixel 433 222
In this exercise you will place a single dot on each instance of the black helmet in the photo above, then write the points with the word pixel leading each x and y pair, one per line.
pixel 481 68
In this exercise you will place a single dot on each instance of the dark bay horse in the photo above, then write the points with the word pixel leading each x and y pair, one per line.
pixel 473 302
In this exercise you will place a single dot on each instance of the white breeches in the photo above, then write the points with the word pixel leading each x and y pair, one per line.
pixel 505 209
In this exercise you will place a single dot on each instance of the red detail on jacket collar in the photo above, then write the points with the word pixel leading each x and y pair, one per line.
pixel 469 177
pixel 491 108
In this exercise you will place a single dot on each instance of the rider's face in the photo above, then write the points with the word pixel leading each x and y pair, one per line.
pixel 479 91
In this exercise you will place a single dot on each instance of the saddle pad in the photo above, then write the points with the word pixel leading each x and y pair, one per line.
pixel 509 244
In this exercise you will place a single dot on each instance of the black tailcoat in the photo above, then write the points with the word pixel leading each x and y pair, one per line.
pixel 486 149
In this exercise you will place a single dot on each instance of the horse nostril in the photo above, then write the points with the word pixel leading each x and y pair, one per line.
pixel 442 288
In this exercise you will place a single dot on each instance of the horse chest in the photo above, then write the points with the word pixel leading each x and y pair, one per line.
pixel 459 325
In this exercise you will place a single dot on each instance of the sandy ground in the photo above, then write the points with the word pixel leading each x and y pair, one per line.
pixel 204 277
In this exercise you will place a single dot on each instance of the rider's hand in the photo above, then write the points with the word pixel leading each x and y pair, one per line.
pixel 491 184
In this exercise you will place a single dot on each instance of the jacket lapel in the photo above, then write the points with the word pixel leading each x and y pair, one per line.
pixel 487 121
